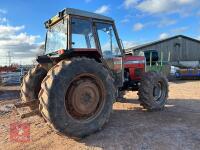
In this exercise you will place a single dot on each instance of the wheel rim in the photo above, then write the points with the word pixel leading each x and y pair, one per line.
pixel 157 91
pixel 85 97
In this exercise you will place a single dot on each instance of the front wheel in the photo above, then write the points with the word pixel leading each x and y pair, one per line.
pixel 76 97
pixel 153 91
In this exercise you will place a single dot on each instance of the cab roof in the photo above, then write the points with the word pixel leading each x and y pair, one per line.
pixel 76 12
pixel 72 11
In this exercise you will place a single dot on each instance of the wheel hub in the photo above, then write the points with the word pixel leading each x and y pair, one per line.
pixel 84 97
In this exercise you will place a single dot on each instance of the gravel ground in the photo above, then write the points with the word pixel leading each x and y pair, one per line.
pixel 130 127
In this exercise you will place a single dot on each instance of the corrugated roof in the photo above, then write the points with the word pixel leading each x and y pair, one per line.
pixel 160 41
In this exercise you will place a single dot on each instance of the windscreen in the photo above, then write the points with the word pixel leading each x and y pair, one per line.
pixel 56 37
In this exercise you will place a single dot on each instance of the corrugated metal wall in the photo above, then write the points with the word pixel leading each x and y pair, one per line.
pixel 181 49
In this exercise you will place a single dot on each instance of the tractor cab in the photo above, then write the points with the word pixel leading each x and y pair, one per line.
pixel 74 33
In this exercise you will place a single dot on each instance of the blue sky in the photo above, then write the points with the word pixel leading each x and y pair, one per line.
pixel 138 21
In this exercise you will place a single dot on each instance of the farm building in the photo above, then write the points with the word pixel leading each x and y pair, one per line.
pixel 175 50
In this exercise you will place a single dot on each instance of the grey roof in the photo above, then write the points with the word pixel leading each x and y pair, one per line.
pixel 160 41
pixel 78 12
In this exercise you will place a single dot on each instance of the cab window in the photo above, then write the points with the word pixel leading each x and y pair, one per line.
pixel 82 34
pixel 108 41
pixel 57 37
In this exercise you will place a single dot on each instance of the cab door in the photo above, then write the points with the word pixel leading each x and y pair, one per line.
pixel 111 49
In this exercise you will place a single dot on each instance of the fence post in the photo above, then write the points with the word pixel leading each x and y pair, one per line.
pixel 161 63
pixel 150 59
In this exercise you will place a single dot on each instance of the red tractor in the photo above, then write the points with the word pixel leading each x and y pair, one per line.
pixel 83 69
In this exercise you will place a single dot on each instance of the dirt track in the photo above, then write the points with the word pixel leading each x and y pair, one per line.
pixel 130 127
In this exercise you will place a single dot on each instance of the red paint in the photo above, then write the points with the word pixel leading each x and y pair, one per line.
pixel 132 67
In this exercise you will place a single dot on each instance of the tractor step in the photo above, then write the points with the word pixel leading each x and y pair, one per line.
pixel 32 104
pixel 29 114
pixel 26 104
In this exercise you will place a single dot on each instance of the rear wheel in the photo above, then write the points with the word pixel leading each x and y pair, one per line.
pixel 31 85
pixel 76 97
pixel 153 91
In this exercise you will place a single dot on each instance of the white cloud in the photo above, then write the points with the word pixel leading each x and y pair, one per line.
pixel 176 31
pixel 138 26
pixel 166 22
pixel 3 20
pixel 7 30
pixel 125 20
pixel 159 23
pixel 179 30
pixel 20 44
pixel 163 36
pixel 2 11
pixel 156 6
pixel 14 40
pixel 130 3
pixel 186 1
pixel 17 39
pixel 103 9
pixel 161 6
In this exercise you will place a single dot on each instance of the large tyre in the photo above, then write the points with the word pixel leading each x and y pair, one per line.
pixel 31 85
pixel 153 91
pixel 76 97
